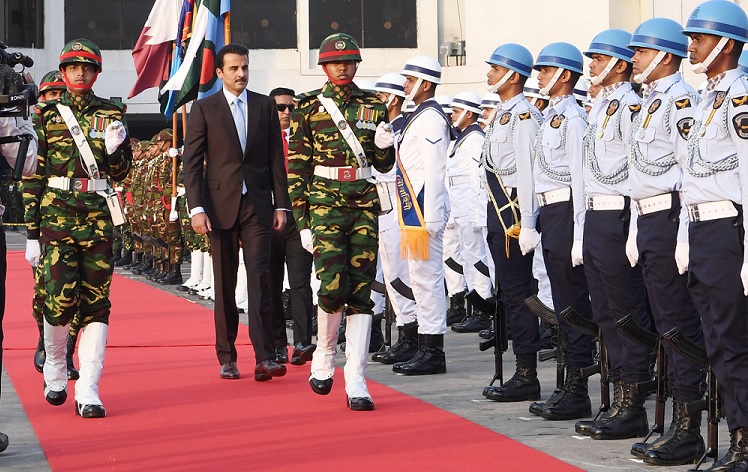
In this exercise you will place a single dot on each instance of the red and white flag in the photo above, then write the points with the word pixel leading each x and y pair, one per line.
pixel 152 52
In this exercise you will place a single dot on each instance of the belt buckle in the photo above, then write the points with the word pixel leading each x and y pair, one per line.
pixel 346 174
pixel 80 185
pixel 589 202
pixel 694 212
pixel 542 200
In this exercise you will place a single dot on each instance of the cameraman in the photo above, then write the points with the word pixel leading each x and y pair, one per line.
pixel 12 126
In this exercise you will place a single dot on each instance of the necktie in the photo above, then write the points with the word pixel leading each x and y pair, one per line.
pixel 241 125
pixel 285 146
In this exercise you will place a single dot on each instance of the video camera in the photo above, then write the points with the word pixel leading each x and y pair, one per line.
pixel 16 99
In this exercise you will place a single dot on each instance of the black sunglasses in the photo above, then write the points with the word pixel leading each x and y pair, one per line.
pixel 283 106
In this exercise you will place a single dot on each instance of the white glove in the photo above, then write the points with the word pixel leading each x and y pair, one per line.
pixel 306 240
pixel 681 257
pixel 114 136
pixel 576 253
pixel 744 278
pixel 632 251
pixel 33 252
pixel 450 223
pixel 478 227
pixel 173 215
pixel 384 139
pixel 173 152
pixel 434 227
pixel 529 239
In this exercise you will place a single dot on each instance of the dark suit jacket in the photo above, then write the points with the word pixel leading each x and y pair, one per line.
pixel 216 185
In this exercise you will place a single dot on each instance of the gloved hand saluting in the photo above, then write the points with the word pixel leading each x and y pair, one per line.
pixel 114 136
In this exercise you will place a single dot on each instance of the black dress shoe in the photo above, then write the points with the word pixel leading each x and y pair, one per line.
pixel 40 355
pixel 321 387
pixel 89 411
pixel 302 353
pixel 4 442
pixel 229 370
pixel 268 369
pixel 281 354
pixel 360 404
pixel 57 398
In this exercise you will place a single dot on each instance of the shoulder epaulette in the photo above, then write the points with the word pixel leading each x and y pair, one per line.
pixel 306 96
pixel 118 105
pixel 681 104
pixel 635 108
pixel 740 101
pixel 524 116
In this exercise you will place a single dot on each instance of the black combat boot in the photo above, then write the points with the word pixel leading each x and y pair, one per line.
pixel 376 340
pixel 173 277
pixel 405 347
pixel 583 427
pixel 736 459
pixel 685 446
pixel 486 333
pixel 72 371
pixel 124 260
pixel 631 420
pixel 428 360
pixel 456 311
pixel 523 385
pixel 574 400
pixel 474 323
pixel 638 449
pixel 117 255
pixel 136 258
pixel 146 264
pixel 40 354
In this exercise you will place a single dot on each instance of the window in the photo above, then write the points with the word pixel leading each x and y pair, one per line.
pixel 374 23
pixel 264 24
pixel 111 24
pixel 22 23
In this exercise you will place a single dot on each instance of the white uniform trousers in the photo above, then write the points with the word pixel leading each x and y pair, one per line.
pixel 473 248
pixel 394 267
pixel 452 248
pixel 427 279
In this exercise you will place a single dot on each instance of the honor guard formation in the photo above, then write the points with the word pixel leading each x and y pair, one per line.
pixel 591 215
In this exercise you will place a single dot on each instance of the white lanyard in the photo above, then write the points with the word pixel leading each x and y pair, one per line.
pixel 345 129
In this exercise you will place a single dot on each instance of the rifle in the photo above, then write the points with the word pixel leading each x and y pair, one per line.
pixel 712 402
pixel 590 328
pixel 500 341
pixel 652 341
pixel 549 316
pixel 379 287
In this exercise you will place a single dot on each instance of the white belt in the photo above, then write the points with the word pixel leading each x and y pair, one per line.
pixel 343 174
pixel 458 180
pixel 77 185
pixel 648 205
pixel 711 211
pixel 604 202
pixel 554 196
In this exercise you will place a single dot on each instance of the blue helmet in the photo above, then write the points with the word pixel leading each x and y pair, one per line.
pixel 513 57
pixel 743 62
pixel 613 43
pixel 563 55
pixel 720 18
pixel 662 34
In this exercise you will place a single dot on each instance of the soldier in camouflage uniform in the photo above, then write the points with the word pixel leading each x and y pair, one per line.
pixel 135 214
pixel 67 212
pixel 51 89
pixel 125 191
pixel 336 206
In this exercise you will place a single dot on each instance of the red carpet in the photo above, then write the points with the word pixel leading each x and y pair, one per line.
pixel 168 409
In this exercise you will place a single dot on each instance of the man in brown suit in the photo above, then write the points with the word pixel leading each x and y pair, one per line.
pixel 236 185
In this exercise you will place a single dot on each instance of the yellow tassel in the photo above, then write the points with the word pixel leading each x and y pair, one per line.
pixel 512 232
pixel 414 243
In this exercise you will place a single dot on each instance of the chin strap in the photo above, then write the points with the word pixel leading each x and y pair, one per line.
pixel 79 88
pixel 703 66
pixel 456 124
pixel 547 89
pixel 412 94
pixel 598 79
pixel 641 78
pixel 493 88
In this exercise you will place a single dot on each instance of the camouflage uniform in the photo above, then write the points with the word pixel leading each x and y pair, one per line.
pixel 342 215
pixel 75 228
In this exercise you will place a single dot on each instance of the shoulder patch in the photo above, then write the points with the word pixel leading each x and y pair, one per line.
pixel 524 116
pixel 635 108
pixel 740 122
pixel 681 104
pixel 740 101
pixel 684 127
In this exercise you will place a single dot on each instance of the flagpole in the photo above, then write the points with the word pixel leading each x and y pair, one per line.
pixel 227 28
pixel 174 137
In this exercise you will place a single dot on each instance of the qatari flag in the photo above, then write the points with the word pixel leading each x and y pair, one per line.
pixel 152 52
